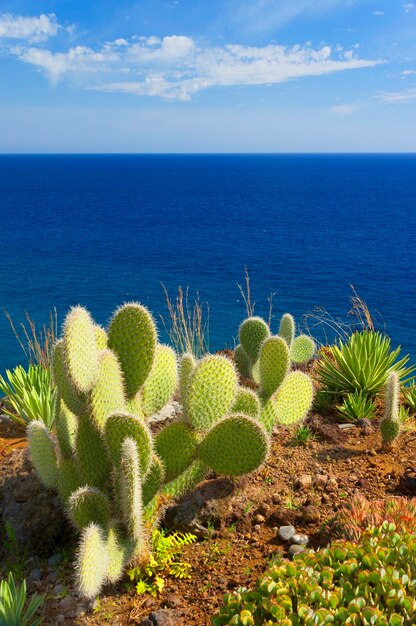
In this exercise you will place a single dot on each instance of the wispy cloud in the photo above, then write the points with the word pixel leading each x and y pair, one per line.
pixel 408 95
pixel 177 67
pixel 379 13
pixel 408 7
pixel 345 109
pixel 31 29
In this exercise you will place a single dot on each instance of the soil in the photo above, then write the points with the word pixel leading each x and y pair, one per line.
pixel 237 522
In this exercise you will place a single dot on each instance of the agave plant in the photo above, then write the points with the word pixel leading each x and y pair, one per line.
pixel 12 604
pixel 30 395
pixel 362 363
pixel 409 395
pixel 357 406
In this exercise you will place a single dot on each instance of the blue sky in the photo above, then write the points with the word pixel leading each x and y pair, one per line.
pixel 207 76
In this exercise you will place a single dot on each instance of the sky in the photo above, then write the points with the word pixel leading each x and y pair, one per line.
pixel 207 76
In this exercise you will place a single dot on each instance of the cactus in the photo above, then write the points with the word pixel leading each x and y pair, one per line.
pixel 113 475
pixel 302 349
pixel 253 331
pixel 287 328
pixel 390 424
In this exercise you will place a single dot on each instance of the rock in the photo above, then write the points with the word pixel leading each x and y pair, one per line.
pixel 320 480
pixel 304 481
pixel 346 426
pixel 311 514
pixel 295 549
pixel 332 484
pixel 286 532
pixel 206 505
pixel 58 589
pixel 67 602
pixel 168 412
pixel 284 517
pixel 260 519
pixel 54 559
pixel 407 484
pixel 164 617
pixel 35 575
pixel 300 540
pixel 365 424
pixel 326 432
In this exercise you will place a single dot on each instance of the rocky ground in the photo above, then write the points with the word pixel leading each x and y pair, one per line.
pixel 240 524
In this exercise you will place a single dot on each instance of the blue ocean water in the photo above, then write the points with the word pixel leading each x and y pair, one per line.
pixel 103 229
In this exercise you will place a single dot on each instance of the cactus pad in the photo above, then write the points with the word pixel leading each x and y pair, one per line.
pixel 91 453
pixel 154 479
pixel 176 446
pixel 274 364
pixel 294 398
pixel 246 402
pixel 123 425
pixel 390 430
pixel 211 391
pixel 69 478
pixel 187 365
pixel 303 349
pixel 236 445
pixel 242 362
pixel 89 505
pixel 117 553
pixel 287 328
pixel 66 425
pixel 74 399
pixel 253 331
pixel 101 337
pixel 267 414
pixel 92 561
pixel 132 336
pixel 161 383
pixel 42 452
pixel 131 489
pixel 107 395
pixel 80 347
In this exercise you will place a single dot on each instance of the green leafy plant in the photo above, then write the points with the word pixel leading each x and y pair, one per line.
pixel 16 556
pixel 165 560
pixel 112 473
pixel 30 395
pixel 409 395
pixel 359 513
pixel 302 436
pixel 324 403
pixel 363 362
pixel 355 406
pixel 373 582
pixel 14 608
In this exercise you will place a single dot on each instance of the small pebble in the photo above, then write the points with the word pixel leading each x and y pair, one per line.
pixel 295 549
pixel 286 532
pixel 300 539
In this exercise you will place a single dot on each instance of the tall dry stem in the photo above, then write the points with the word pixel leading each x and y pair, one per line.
pixel 188 323
pixel 36 345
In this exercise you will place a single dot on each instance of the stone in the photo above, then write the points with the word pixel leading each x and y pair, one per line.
pixel 311 514
pixel 332 484
pixel 260 519
pixel 286 532
pixel 346 426
pixel 67 602
pixel 320 480
pixel 300 540
pixel 295 549
pixel 304 481
pixel 54 559
pixel 35 575
pixel 164 617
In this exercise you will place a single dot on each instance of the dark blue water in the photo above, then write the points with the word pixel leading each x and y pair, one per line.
pixel 100 230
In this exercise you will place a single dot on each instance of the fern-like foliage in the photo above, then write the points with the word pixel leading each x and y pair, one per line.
pixel 165 560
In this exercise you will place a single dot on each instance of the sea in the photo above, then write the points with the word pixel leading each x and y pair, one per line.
pixel 100 230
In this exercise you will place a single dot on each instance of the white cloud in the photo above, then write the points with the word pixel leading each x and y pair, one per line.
pixel 177 67
pixel 408 95
pixel 345 109
pixel 378 12
pixel 33 29
pixel 408 7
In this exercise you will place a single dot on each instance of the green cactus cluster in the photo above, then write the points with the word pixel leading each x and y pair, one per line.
pixel 390 425
pixel 112 473
pixel 283 396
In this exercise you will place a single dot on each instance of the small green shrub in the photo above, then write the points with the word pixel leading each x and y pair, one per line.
pixel 409 396
pixel 165 560
pixel 14 609
pixel 373 582
pixel 324 402
pixel 302 436
pixel 355 406
pixel 30 395
pixel 363 363
pixel 358 514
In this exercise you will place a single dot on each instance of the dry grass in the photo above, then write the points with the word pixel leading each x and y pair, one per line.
pixel 246 293
pixel 37 345
pixel 188 323
pixel 329 326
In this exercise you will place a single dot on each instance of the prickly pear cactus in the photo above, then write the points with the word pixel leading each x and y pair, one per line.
pixel 284 396
pixel 113 476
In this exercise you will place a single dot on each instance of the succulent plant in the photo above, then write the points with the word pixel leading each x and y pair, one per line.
pixel 112 474
pixel 390 425
pixel 362 584
pixel 284 396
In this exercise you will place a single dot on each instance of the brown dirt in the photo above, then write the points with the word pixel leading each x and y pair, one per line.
pixel 237 552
